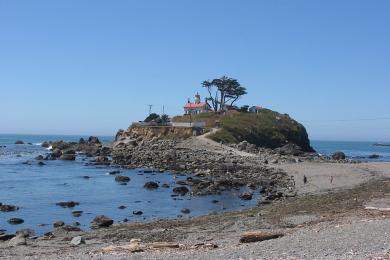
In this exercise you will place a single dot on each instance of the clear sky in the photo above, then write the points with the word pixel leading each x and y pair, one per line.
pixel 91 67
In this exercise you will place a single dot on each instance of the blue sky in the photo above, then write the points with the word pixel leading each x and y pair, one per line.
pixel 91 67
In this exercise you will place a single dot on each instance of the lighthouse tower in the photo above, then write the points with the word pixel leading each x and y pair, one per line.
pixel 197 98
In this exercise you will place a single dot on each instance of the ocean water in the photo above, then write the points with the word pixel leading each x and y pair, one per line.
pixel 353 150
pixel 36 190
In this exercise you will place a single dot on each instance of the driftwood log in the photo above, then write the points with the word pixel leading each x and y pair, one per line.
pixel 257 236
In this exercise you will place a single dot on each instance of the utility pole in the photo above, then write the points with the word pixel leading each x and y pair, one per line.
pixel 150 109
pixel 163 110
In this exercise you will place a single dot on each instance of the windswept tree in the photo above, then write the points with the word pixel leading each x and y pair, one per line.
pixel 222 92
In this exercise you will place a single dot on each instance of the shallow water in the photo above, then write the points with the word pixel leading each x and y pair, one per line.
pixel 36 189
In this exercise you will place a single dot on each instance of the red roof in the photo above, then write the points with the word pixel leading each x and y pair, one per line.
pixel 195 105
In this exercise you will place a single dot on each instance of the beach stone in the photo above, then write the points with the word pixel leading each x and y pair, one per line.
pixel 68 204
pixel 137 212
pixel 58 224
pixel 25 232
pixel 15 221
pixel 103 160
pixel 122 207
pixel 8 208
pixel 68 157
pixel 19 142
pixel 41 163
pixel 101 222
pixel 246 196
pixel 151 185
pixel 165 185
pixel 373 156
pixel 338 156
pixel 6 237
pixel 182 190
pixel 114 172
pixel 185 211
pixel 76 241
pixel 77 214
pixel 121 178
pixel 18 240
pixel 70 228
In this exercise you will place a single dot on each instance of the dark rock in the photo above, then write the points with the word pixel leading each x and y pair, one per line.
pixel 45 144
pixel 103 160
pixel 82 141
pixel 246 196
pixel 77 214
pixel 182 190
pixel 56 153
pixel 69 228
pixel 151 185
pixel 41 163
pixel 25 232
pixel 93 140
pixel 137 212
pixel 6 237
pixel 121 178
pixel 185 211
pixel 58 224
pixel 289 149
pixel 40 158
pixel 339 156
pixel 68 157
pixel 19 142
pixel 373 156
pixel 68 204
pixel 8 208
pixel 86 177
pixel 15 221
pixel 121 207
pixel 101 222
pixel 165 185
pixel 114 172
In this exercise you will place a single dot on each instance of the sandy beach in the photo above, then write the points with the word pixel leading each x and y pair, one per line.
pixel 325 221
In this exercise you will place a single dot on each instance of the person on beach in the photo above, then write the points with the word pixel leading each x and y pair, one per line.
pixel 304 179
pixel 331 179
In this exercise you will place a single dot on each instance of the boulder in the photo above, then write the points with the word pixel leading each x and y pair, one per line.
pixel 8 208
pixel 15 221
pixel 19 142
pixel 185 211
pixel 76 241
pixel 289 149
pixel 373 156
pixel 56 153
pixel 151 185
pixel 182 190
pixel 69 228
pixel 137 212
pixel 18 240
pixel 68 157
pixel 58 224
pixel 45 144
pixel 93 140
pixel 68 204
pixel 77 214
pixel 25 232
pixel 101 222
pixel 338 156
pixel 6 237
pixel 121 178
pixel 39 158
pixel 103 160
pixel 246 196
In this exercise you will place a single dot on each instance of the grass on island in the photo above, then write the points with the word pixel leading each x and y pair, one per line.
pixel 266 128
